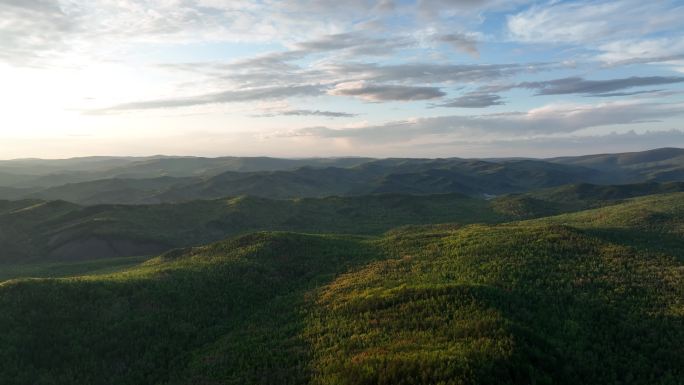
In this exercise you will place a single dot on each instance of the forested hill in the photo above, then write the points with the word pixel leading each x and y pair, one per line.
pixel 44 231
pixel 343 271
pixel 570 299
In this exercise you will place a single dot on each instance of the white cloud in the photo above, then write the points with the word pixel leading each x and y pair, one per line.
pixel 594 21
pixel 39 32
pixel 642 50
pixel 229 96
pixel 43 31
pixel 547 120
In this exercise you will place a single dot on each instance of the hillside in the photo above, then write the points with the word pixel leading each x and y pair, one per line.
pixel 558 300
pixel 57 230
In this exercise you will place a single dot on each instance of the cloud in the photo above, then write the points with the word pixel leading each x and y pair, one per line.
pixel 461 42
pixel 368 81
pixel 547 120
pixel 33 29
pixel 47 30
pixel 275 70
pixel 632 93
pixel 355 43
pixel 473 100
pixel 598 21
pixel 435 8
pixel 327 114
pixel 385 92
pixel 231 96
pixel 577 85
pixel 554 146
pixel 431 72
pixel 633 51
pixel 618 32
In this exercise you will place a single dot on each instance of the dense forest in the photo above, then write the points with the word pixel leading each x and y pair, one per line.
pixel 548 283
pixel 567 299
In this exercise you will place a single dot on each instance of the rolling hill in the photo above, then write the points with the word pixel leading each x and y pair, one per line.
pixel 178 179
pixel 474 178
pixel 56 230
pixel 36 230
pixel 43 173
pixel 557 300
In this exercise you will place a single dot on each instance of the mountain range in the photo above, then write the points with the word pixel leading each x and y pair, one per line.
pixel 154 180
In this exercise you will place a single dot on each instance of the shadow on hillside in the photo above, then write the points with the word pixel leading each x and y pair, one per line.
pixel 596 340
pixel 230 314
pixel 642 240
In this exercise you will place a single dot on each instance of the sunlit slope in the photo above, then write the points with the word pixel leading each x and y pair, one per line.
pixel 656 213
pixel 504 305
pixel 546 301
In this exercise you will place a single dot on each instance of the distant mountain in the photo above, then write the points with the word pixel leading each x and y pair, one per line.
pixel 195 166
pixel 659 165
pixel 407 176
pixel 114 191
pixel 49 173
pixel 179 179
pixel 55 166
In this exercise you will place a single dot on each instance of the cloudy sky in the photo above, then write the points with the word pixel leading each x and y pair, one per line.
pixel 331 78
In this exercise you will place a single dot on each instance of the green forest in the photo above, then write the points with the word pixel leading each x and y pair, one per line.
pixel 573 284
pixel 567 299
pixel 341 192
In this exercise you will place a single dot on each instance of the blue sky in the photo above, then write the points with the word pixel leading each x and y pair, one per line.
pixel 426 78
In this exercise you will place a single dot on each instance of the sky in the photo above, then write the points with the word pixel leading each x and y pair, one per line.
pixel 388 78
